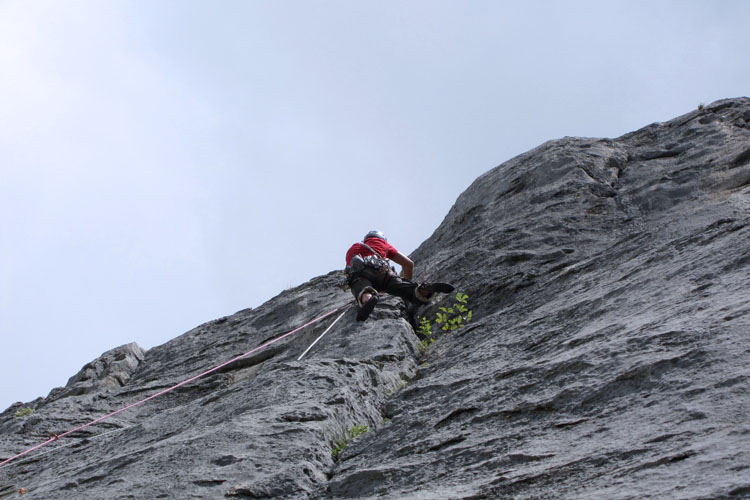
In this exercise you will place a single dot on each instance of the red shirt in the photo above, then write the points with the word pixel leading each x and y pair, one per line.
pixel 381 246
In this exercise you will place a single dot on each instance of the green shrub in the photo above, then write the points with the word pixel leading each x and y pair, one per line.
pixel 425 329
pixel 24 412
pixel 355 431
pixel 453 317
pixel 358 430
pixel 449 318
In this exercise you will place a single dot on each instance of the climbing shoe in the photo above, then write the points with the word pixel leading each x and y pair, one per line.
pixel 437 287
pixel 367 308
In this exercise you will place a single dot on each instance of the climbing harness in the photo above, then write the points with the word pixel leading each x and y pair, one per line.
pixel 376 260
pixel 56 437
pixel 359 263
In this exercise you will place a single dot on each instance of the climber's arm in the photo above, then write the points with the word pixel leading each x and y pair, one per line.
pixel 406 264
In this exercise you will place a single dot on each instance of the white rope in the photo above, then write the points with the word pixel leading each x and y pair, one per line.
pixel 321 336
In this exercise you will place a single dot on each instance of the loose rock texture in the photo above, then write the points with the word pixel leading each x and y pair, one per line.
pixel 608 356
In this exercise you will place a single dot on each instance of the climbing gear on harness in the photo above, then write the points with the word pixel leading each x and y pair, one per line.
pixel 356 265
pixel 359 263
pixel 376 261
pixel 378 264
pixel 375 234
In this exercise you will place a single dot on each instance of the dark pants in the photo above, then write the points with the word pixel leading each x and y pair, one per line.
pixel 372 280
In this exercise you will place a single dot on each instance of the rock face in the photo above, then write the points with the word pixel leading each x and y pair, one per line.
pixel 607 356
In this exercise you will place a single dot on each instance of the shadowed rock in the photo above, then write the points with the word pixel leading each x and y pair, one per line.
pixel 607 357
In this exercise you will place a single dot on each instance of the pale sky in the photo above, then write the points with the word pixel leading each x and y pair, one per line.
pixel 163 164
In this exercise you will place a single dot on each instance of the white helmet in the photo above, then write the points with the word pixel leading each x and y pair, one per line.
pixel 375 234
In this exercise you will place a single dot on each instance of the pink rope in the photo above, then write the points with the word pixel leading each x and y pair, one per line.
pixel 55 437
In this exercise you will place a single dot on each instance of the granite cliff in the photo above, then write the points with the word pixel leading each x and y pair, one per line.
pixel 607 356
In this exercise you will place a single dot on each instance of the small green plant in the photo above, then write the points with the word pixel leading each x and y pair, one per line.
pixel 24 412
pixel 450 318
pixel 355 431
pixel 453 317
pixel 358 430
pixel 425 329
pixel 701 106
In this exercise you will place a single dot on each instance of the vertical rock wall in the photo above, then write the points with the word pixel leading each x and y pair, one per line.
pixel 606 359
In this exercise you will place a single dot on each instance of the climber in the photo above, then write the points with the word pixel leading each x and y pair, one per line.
pixel 368 272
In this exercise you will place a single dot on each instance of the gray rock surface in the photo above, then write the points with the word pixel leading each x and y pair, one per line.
pixel 607 356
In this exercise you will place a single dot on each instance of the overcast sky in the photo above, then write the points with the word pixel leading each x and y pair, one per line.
pixel 163 164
